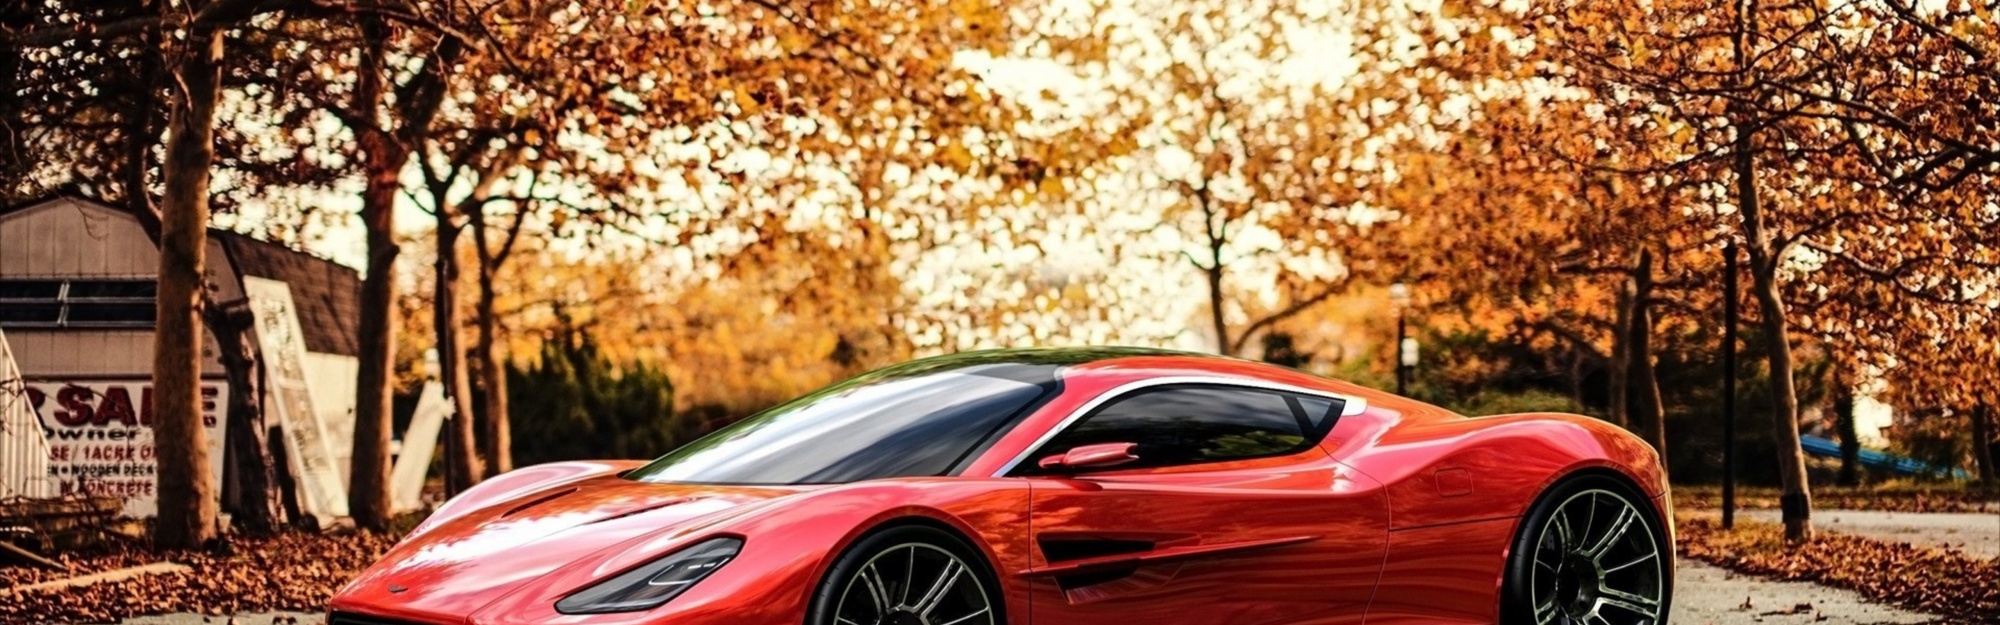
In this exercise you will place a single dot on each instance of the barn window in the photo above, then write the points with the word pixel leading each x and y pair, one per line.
pixel 77 303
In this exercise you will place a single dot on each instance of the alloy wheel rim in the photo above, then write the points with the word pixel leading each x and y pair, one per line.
pixel 914 584
pixel 1597 562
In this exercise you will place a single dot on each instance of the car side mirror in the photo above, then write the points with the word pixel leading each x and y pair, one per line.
pixel 1098 456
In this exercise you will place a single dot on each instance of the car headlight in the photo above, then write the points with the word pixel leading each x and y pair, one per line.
pixel 653 583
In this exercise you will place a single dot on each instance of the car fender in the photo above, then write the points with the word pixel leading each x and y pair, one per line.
pixel 1460 470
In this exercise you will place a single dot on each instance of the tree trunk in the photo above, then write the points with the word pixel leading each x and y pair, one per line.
pixel 368 496
pixel 1648 413
pixel 1212 272
pixel 255 501
pixel 257 508
pixel 1217 305
pixel 384 153
pixel 187 501
pixel 1843 421
pixel 15 17
pixel 1993 455
pixel 498 440
pixel 1982 442
pixel 1576 377
pixel 1619 403
pixel 1796 499
pixel 462 449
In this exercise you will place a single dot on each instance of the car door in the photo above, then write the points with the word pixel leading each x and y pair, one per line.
pixel 1231 514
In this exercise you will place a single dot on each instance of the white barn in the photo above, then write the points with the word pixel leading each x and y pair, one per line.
pixel 77 286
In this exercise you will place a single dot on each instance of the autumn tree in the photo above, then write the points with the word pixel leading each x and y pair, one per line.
pixel 1901 227
pixel 105 142
pixel 1249 154
pixel 1760 121
pixel 1897 63
pixel 1926 357
pixel 1520 225
pixel 191 118
pixel 667 126
pixel 71 37
pixel 1630 149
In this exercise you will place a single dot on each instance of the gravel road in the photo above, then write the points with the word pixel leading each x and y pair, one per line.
pixel 1705 595
pixel 1709 595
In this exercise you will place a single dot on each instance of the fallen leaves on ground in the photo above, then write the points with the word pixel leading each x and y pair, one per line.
pixel 1939 581
pixel 292 571
pixel 1896 499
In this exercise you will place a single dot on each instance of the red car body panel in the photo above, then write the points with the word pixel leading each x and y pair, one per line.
pixel 1404 513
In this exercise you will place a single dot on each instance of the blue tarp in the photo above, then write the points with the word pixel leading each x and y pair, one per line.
pixel 1878 459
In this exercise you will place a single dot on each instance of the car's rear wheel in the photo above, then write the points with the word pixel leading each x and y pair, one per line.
pixel 908 575
pixel 1590 553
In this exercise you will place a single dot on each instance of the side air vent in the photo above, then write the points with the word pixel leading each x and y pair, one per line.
pixel 1072 549
pixel 1069 549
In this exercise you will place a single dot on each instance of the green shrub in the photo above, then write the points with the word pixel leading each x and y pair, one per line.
pixel 574 404
pixel 1485 403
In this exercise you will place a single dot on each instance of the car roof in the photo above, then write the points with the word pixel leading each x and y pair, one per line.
pixel 1036 364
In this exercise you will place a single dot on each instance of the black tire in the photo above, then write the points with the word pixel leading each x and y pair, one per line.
pixel 1569 566
pixel 964 593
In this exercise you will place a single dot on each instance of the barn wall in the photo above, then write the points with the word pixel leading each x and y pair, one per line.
pixel 70 238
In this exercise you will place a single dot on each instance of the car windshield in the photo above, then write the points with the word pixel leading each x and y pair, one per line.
pixel 904 421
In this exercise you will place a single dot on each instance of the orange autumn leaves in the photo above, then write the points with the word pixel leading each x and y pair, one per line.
pixel 1563 137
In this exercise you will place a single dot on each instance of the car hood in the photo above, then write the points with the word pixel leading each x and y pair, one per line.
pixel 451 570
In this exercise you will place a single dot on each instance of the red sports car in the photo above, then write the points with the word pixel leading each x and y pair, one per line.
pixel 1066 486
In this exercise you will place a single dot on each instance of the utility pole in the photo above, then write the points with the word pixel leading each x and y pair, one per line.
pixel 1729 386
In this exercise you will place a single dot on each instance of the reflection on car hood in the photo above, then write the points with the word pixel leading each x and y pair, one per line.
pixel 464 563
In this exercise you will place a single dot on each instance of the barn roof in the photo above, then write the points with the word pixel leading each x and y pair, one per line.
pixel 327 294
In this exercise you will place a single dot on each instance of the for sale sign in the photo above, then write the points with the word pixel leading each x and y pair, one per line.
pixel 100 435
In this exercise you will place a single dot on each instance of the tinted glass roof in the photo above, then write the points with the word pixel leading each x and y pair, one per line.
pixel 919 418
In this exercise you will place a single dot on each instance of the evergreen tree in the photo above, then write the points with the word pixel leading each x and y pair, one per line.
pixel 575 404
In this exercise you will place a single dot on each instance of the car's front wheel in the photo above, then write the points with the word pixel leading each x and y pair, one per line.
pixel 1591 552
pixel 908 575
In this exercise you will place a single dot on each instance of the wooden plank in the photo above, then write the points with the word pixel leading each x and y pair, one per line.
pixel 8 550
pixel 114 575
pixel 406 480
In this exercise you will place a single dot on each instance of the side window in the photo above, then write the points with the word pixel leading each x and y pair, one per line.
pixel 77 303
pixel 1189 425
